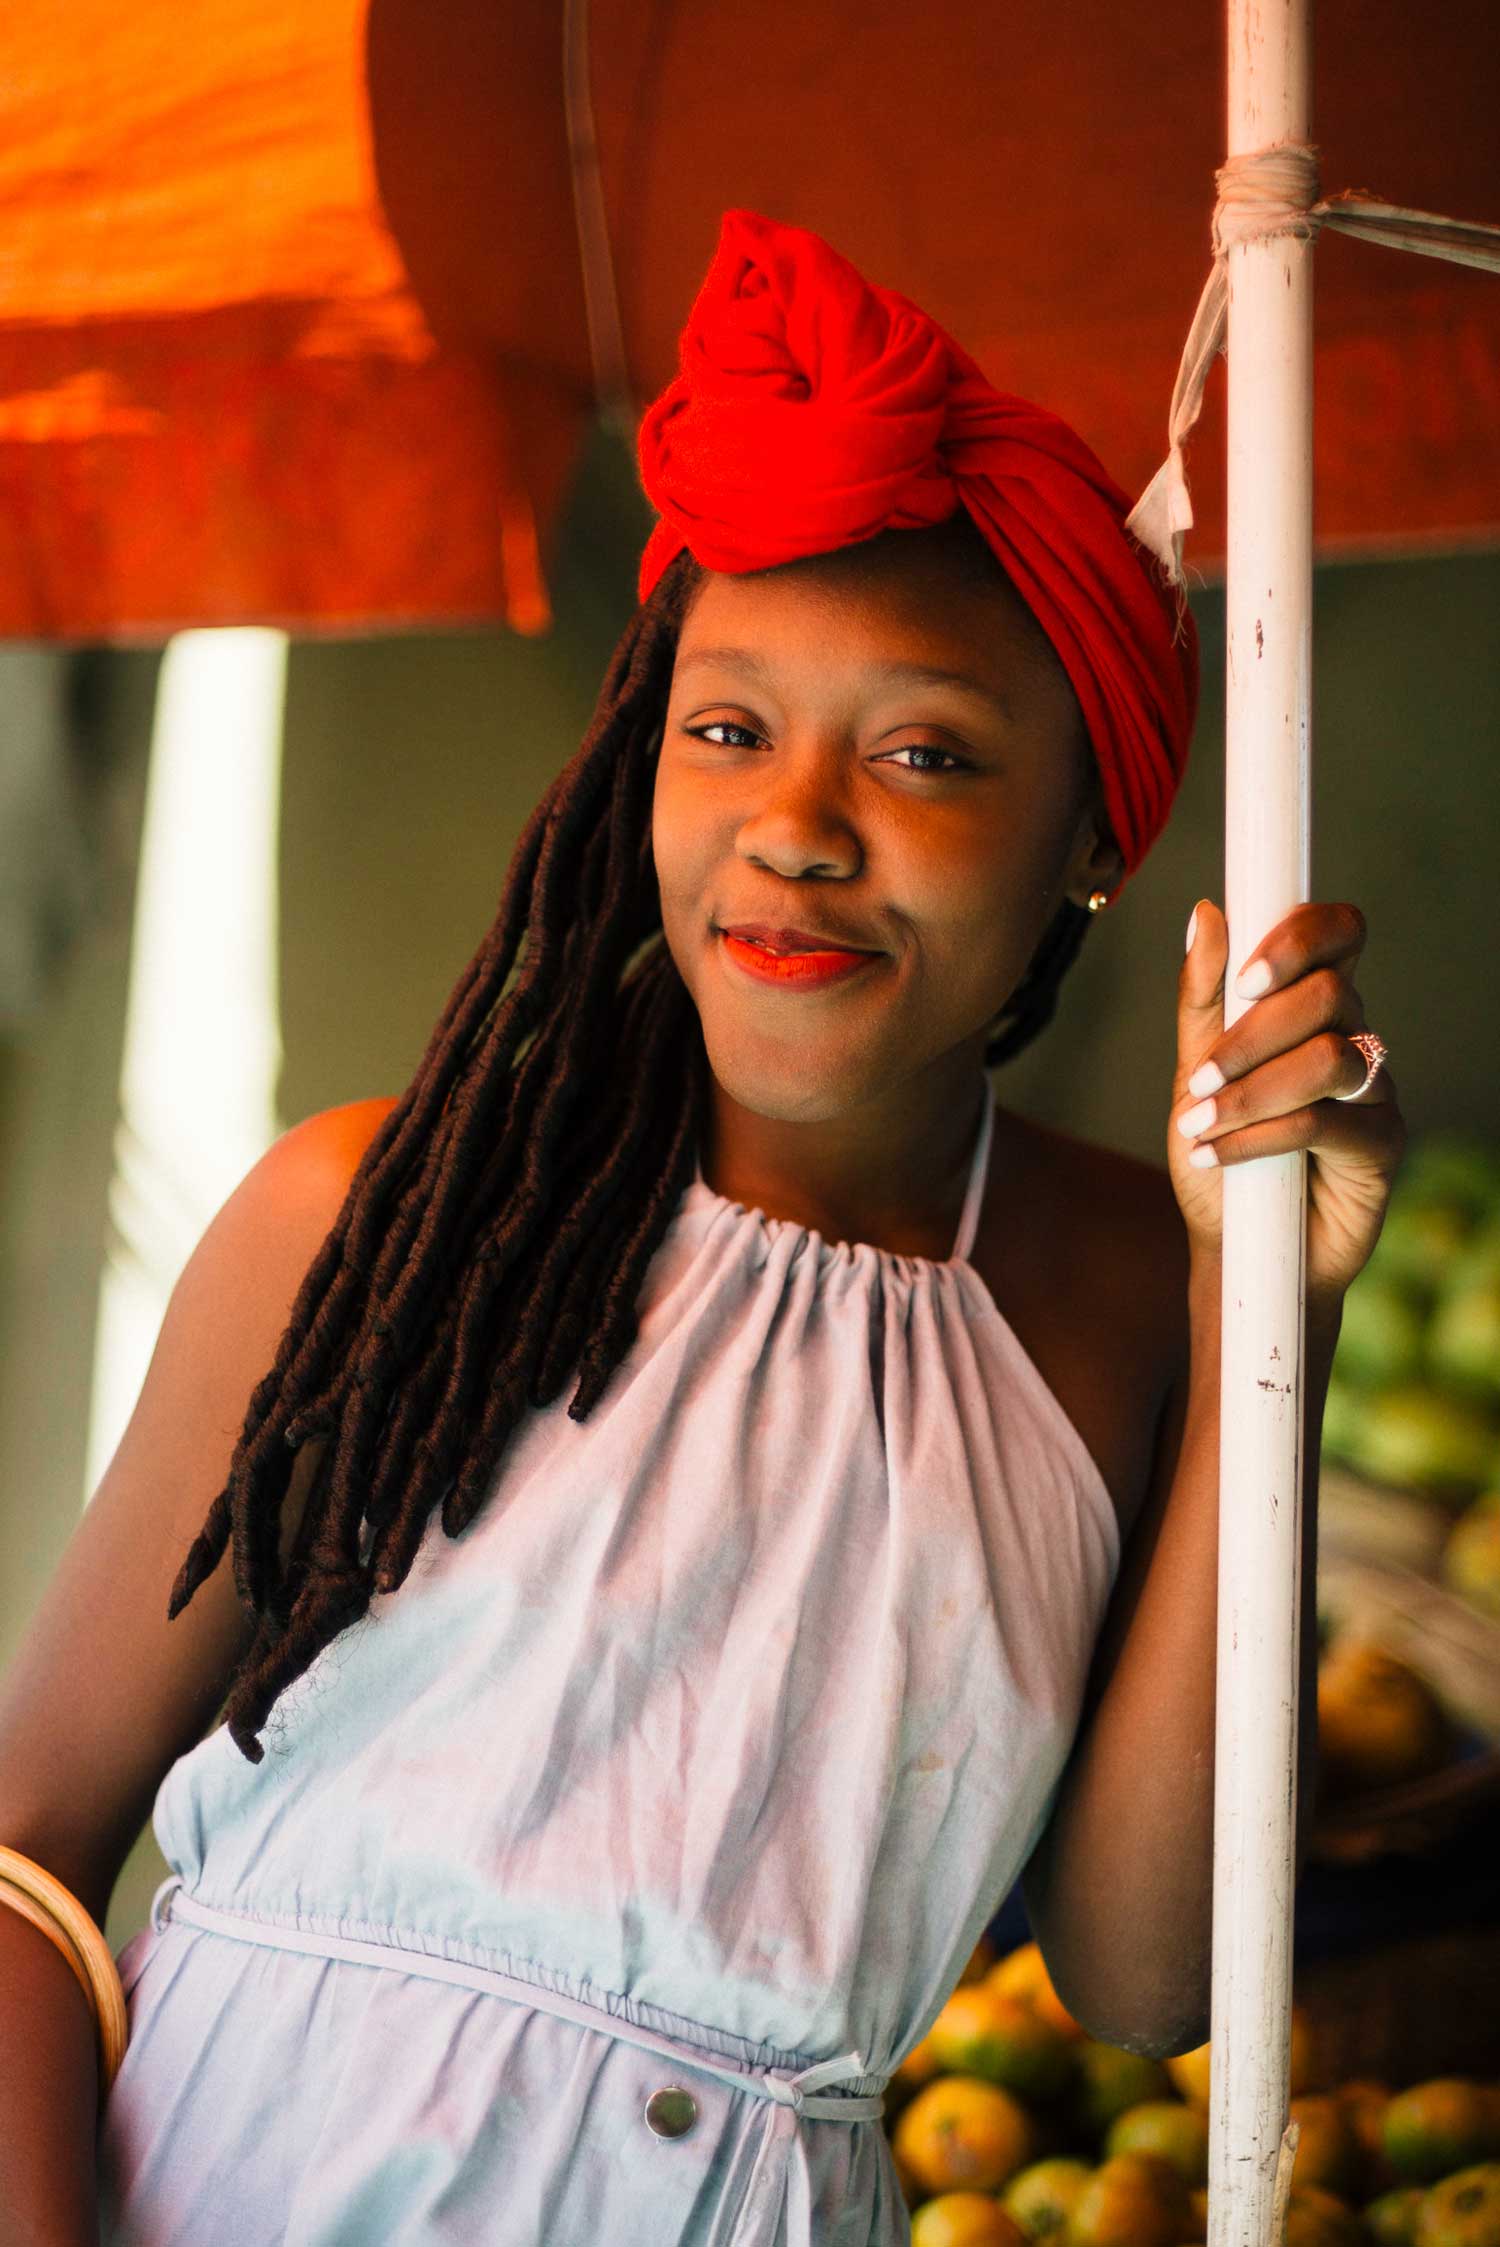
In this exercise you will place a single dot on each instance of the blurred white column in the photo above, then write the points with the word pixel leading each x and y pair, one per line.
pixel 202 1049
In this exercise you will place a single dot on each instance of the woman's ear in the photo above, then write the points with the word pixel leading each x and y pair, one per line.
pixel 1098 861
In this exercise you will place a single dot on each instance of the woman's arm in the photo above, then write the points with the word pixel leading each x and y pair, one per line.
pixel 50 2099
pixel 1120 1888
pixel 104 1692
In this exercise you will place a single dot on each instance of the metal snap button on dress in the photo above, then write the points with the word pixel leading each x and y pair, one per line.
pixel 671 2113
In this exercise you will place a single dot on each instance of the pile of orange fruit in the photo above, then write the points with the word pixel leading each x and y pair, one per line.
pixel 1008 2125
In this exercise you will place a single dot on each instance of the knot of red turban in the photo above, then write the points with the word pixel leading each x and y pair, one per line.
pixel 814 410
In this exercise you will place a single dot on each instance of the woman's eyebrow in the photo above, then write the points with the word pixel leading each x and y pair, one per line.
pixel 906 674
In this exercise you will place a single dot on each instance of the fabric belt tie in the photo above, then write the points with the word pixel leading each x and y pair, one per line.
pixel 780 2181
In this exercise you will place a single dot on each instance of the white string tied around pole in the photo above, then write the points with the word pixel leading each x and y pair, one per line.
pixel 1267 192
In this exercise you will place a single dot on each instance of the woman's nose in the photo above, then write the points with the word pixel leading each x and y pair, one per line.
pixel 800 824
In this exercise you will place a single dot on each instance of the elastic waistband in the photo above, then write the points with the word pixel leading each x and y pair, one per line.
pixel 791 2096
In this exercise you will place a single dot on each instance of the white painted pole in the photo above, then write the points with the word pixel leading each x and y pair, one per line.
pixel 1267 728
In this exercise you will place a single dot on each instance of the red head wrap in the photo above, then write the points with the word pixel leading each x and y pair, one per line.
pixel 814 410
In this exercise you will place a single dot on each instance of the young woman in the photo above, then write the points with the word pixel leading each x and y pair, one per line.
pixel 726 1496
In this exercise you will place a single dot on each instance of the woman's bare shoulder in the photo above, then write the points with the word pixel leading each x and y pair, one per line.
pixel 1084 1250
pixel 339 1135
pixel 312 1165
pixel 1133 1198
pixel 1141 1191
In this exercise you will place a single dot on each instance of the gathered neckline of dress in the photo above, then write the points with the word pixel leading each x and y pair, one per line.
pixel 854 1251
pixel 925 1272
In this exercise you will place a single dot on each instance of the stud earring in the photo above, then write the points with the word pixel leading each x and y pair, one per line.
pixel 1097 898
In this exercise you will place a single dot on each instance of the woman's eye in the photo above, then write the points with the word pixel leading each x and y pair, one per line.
pixel 923 749
pixel 721 725
pixel 929 749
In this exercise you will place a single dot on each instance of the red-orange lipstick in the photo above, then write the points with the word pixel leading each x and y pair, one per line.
pixel 792 957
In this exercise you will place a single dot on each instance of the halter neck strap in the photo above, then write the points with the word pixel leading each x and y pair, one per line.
pixel 968 1224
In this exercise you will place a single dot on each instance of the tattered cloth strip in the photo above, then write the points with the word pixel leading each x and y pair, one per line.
pixel 1275 191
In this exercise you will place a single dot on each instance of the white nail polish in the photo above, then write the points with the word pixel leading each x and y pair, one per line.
pixel 1192 928
pixel 1254 980
pixel 1208 1078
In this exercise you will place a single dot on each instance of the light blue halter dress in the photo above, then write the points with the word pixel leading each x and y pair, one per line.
pixel 593 1885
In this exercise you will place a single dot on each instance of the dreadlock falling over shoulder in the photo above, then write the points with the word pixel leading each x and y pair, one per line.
pixel 495 1236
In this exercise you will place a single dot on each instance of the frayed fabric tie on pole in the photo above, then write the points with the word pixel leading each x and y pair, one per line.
pixel 1268 192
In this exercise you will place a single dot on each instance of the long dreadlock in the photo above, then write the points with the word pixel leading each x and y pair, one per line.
pixel 495 1235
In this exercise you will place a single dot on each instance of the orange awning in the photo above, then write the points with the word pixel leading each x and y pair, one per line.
pixel 292 327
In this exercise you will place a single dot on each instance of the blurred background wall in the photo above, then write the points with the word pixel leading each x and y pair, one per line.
pixel 409 766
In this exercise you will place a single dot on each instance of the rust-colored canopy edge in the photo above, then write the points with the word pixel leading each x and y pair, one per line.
pixel 291 320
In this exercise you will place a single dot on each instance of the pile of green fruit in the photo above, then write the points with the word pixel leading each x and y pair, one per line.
pixel 1414 1396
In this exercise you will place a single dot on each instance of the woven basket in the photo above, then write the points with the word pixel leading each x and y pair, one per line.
pixel 1378 1554
pixel 1426 2007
